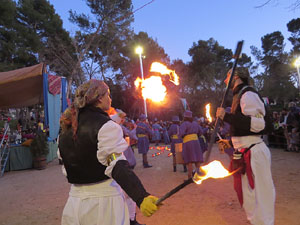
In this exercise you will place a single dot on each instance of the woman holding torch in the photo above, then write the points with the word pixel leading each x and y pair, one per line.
pixel 91 146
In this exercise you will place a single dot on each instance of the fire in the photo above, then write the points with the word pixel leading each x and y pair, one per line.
pixel 163 70
pixel 152 88
pixel 207 108
pixel 214 170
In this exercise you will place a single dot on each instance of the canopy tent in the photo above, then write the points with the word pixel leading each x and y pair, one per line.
pixel 21 87
pixel 32 85
pixel 26 87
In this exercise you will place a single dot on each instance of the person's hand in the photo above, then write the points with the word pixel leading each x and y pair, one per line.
pixel 224 144
pixel 220 113
pixel 148 206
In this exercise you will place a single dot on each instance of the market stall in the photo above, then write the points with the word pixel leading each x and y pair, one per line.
pixel 30 86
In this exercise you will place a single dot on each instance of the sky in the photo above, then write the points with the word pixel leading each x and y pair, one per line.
pixel 177 24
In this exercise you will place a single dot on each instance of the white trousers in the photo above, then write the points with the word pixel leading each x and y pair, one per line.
pixel 96 204
pixel 259 203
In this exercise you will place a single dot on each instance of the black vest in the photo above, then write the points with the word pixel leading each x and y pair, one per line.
pixel 235 129
pixel 80 155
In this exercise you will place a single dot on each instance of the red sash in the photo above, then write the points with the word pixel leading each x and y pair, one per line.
pixel 238 176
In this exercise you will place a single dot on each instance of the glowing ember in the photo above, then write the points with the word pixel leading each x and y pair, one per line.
pixel 152 88
pixel 163 70
pixel 212 170
pixel 207 108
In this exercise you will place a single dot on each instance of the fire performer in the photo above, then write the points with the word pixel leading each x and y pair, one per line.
pixel 143 132
pixel 191 150
pixel 173 132
pixel 91 146
pixel 254 184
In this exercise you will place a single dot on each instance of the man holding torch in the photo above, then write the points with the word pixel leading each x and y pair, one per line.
pixel 253 183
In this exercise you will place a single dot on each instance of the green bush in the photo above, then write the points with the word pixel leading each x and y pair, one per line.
pixel 39 145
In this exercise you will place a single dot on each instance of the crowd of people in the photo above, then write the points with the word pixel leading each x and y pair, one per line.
pixel 24 131
pixel 286 129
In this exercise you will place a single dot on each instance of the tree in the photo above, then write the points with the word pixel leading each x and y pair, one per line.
pixel 14 51
pixel 294 27
pixel 101 36
pixel 276 79
pixel 129 69
pixel 31 32
pixel 207 70
pixel 295 5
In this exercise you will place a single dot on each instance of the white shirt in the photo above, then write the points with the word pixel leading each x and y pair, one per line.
pixel 110 140
pixel 252 106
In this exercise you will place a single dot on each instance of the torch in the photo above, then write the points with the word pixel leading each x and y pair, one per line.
pixel 217 123
pixel 212 170
pixel 208 116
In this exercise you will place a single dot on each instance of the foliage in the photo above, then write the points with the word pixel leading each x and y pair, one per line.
pixel 31 32
pixel 129 69
pixel 276 80
pixel 294 5
pixel 207 71
pixel 39 146
pixel 104 45
pixel 294 27
pixel 102 35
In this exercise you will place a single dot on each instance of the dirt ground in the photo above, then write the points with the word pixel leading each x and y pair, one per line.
pixel 32 197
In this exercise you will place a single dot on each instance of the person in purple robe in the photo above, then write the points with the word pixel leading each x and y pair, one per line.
pixel 156 128
pixel 143 132
pixel 191 150
pixel 173 133
pixel 165 134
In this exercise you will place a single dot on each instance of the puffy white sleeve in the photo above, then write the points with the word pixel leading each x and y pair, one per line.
pixel 110 140
pixel 251 105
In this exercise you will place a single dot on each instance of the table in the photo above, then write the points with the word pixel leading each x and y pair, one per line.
pixel 20 157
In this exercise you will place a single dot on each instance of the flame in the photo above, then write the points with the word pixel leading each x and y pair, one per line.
pixel 163 70
pixel 152 88
pixel 214 170
pixel 207 108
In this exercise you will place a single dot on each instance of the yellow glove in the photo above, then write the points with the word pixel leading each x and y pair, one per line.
pixel 223 144
pixel 148 206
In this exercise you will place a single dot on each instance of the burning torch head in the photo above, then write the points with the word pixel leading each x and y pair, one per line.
pixel 198 175
pixel 214 170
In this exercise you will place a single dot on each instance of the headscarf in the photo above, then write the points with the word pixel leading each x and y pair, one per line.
pixel 86 94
